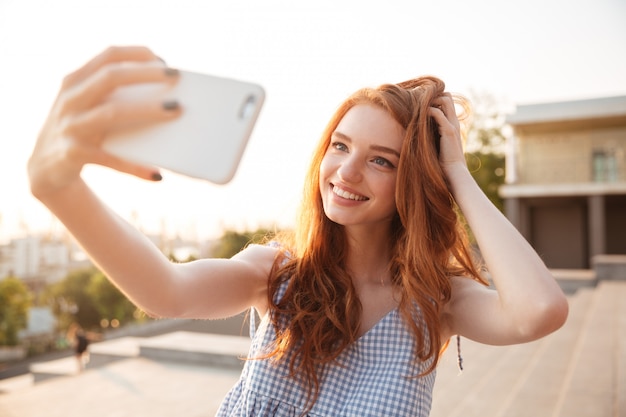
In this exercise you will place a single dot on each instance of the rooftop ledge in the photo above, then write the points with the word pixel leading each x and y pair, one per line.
pixel 561 190
pixel 595 108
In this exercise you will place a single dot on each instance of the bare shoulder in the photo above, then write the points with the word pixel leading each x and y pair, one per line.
pixel 217 288
pixel 259 260
pixel 262 256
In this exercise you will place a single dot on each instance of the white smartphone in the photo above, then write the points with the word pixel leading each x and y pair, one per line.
pixel 209 138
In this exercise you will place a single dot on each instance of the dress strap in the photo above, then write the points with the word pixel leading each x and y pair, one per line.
pixel 459 358
pixel 252 320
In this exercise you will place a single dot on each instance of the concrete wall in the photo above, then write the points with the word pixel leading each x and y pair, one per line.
pixel 546 156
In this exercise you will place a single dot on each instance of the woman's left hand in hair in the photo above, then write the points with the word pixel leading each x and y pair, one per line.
pixel 451 145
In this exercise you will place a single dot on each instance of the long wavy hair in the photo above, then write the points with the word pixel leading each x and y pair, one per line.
pixel 320 312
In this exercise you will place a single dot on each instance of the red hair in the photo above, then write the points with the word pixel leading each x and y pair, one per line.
pixel 319 314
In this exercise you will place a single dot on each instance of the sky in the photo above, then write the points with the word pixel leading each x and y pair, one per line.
pixel 308 55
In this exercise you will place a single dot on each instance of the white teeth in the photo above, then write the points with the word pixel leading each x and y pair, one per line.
pixel 345 194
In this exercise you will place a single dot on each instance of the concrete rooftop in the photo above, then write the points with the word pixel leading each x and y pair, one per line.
pixel 579 371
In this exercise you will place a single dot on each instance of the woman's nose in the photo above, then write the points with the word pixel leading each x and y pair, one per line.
pixel 350 169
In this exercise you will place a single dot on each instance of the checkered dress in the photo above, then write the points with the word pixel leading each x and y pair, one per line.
pixel 368 379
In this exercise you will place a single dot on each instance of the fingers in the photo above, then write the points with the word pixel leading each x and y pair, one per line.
pixel 447 127
pixel 92 103
pixel 107 79
pixel 108 56
pixel 95 155
pixel 94 124
pixel 445 104
pixel 147 173
pixel 443 112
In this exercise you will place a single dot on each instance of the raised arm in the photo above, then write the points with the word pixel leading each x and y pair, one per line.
pixel 527 302
pixel 71 137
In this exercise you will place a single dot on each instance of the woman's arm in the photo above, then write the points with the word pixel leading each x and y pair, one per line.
pixel 71 137
pixel 527 302
pixel 209 288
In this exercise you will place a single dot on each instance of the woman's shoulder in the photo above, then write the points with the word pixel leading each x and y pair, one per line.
pixel 261 257
pixel 259 252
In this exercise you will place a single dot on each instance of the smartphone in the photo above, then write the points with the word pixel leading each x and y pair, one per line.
pixel 207 141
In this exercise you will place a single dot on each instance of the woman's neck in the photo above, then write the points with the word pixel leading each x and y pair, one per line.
pixel 369 255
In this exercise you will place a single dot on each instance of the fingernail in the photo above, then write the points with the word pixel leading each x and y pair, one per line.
pixel 171 72
pixel 170 105
pixel 156 176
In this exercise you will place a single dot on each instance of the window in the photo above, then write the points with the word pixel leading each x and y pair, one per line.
pixel 605 165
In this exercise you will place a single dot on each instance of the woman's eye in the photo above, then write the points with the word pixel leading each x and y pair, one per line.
pixel 382 162
pixel 339 146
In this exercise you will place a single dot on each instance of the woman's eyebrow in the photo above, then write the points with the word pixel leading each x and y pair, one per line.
pixel 385 149
pixel 378 148
pixel 342 136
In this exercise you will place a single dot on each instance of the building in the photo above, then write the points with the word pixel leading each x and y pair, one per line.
pixel 38 260
pixel 565 185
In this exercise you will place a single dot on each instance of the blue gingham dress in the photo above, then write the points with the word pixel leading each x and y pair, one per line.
pixel 369 378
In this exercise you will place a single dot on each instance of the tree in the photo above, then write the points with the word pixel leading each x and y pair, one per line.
pixel 86 297
pixel 485 146
pixel 15 301
pixel 488 171
pixel 110 302
pixel 70 301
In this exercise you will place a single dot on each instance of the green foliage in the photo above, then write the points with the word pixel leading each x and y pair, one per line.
pixel 488 171
pixel 233 242
pixel 110 302
pixel 15 301
pixel 70 301
pixel 87 297
pixel 485 147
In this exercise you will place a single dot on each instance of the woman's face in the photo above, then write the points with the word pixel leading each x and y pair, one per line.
pixel 358 172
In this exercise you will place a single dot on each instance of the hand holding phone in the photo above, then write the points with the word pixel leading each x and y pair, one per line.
pixel 207 141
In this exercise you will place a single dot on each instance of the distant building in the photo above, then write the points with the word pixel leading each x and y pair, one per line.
pixel 566 179
pixel 39 260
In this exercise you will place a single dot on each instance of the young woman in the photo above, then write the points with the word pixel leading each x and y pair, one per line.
pixel 378 276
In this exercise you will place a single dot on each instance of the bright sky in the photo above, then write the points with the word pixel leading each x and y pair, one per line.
pixel 309 56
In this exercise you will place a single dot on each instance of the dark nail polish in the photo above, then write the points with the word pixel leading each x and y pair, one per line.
pixel 171 72
pixel 170 105
pixel 156 177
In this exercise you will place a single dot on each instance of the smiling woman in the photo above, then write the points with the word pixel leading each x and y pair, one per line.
pixel 372 284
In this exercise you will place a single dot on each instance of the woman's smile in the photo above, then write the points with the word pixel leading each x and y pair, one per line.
pixel 338 191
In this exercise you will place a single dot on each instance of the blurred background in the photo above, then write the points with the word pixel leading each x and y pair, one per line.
pixel 529 67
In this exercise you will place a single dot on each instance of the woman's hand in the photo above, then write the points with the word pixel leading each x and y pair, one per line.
pixel 82 115
pixel 451 145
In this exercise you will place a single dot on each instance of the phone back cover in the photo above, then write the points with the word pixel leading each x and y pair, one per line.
pixel 207 141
